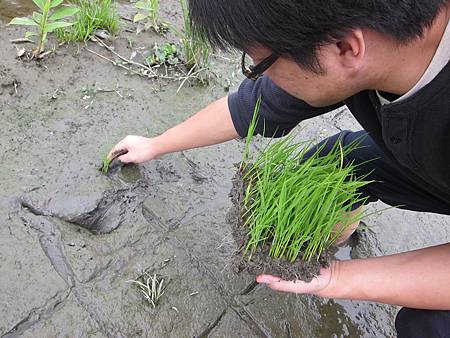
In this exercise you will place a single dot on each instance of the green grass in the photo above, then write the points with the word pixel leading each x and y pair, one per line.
pixel 293 203
pixel 195 47
pixel 93 15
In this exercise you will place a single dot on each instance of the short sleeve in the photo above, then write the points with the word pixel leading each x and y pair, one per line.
pixel 280 112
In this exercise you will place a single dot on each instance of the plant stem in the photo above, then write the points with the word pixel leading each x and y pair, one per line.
pixel 42 27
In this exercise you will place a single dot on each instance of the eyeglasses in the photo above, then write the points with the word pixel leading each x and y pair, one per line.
pixel 255 72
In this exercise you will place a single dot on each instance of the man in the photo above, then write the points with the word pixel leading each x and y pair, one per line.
pixel 388 61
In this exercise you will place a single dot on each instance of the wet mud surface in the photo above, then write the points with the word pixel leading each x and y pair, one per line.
pixel 71 238
pixel 260 262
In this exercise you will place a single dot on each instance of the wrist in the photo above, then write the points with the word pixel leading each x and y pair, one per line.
pixel 158 146
pixel 348 281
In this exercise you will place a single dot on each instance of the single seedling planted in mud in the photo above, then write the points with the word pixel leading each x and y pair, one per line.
pixel 105 165
pixel 107 160
pixel 93 16
pixel 294 196
pixel 151 287
pixel 47 21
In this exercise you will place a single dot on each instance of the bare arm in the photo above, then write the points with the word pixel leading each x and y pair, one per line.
pixel 211 125
pixel 416 279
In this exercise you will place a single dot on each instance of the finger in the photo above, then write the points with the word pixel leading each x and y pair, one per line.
pixel 119 147
pixel 267 279
pixel 118 154
pixel 285 286
pixel 277 284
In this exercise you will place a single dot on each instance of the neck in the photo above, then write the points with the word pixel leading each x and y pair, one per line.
pixel 407 63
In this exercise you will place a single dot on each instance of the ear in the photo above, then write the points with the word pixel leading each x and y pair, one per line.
pixel 352 49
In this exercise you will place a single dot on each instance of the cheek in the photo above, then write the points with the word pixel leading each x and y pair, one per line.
pixel 301 87
pixel 316 90
pixel 293 79
pixel 290 83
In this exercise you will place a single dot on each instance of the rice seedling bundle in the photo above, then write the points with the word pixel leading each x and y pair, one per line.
pixel 295 196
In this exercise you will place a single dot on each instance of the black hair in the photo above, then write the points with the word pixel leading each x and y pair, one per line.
pixel 297 28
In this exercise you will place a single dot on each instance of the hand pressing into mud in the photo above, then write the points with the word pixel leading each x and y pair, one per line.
pixel 319 286
pixel 136 149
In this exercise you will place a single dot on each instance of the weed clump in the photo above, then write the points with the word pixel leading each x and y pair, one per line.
pixel 165 54
pixel 93 15
pixel 295 196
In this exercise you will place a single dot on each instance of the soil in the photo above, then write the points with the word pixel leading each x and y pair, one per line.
pixel 261 262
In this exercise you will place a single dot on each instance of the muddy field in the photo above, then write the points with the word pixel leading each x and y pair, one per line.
pixel 71 238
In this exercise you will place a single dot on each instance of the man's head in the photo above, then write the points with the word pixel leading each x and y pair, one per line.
pixel 321 38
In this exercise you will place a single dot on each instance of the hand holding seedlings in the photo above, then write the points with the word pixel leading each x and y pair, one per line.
pixel 295 204
pixel 318 286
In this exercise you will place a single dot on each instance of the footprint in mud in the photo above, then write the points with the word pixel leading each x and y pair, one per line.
pixel 100 213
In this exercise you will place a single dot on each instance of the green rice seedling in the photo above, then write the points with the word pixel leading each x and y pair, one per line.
pixel 105 165
pixel 151 287
pixel 149 10
pixel 46 21
pixel 93 15
pixel 250 133
pixel 107 160
pixel 293 202
pixel 195 47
